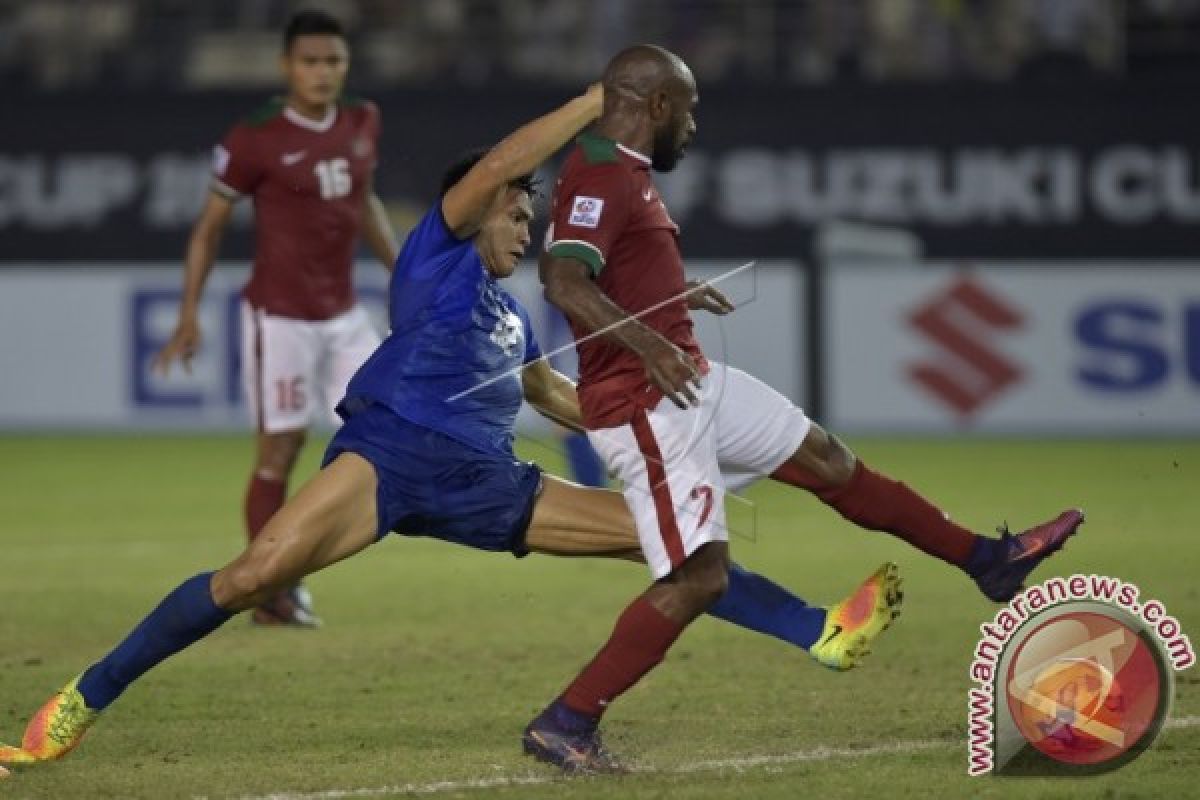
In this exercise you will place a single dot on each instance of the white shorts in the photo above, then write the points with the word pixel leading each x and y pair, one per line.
pixel 676 464
pixel 293 368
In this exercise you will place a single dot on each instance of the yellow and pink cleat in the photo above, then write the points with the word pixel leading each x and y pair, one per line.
pixel 854 623
pixel 55 730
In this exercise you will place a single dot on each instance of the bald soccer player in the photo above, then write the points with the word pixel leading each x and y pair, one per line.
pixel 673 426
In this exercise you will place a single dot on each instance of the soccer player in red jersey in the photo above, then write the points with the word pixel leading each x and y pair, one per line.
pixel 679 429
pixel 307 161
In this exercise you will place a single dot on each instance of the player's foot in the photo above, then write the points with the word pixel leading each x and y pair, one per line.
pixel 576 750
pixel 292 607
pixel 854 623
pixel 55 730
pixel 1021 553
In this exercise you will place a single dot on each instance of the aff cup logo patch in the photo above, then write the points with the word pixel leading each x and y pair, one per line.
pixel 586 211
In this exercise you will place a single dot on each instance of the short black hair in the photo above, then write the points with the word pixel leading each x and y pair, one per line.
pixel 462 165
pixel 305 23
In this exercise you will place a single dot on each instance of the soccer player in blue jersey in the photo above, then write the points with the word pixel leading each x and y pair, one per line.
pixel 426 449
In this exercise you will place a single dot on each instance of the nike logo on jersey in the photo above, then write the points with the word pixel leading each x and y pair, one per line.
pixel 288 159
pixel 648 195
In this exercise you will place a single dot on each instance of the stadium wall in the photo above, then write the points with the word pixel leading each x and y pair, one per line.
pixel 992 348
pixel 1025 347
pixel 79 338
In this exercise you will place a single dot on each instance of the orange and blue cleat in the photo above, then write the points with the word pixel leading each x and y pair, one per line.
pixel 55 730
pixel 854 623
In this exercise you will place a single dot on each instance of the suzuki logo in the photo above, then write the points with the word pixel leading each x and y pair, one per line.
pixel 962 321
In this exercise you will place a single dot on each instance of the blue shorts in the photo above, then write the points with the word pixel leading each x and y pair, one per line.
pixel 432 485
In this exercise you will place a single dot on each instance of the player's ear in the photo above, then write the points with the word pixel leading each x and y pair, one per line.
pixel 659 103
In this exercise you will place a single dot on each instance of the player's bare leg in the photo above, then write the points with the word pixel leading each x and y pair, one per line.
pixel 274 460
pixel 573 520
pixel 824 466
pixel 332 517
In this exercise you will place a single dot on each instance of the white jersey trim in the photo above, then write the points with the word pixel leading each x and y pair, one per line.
pixel 315 125
pixel 224 189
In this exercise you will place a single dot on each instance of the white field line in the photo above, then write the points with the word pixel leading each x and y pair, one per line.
pixel 737 763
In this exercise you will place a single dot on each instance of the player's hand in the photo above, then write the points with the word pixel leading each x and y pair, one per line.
pixel 184 344
pixel 671 370
pixel 703 297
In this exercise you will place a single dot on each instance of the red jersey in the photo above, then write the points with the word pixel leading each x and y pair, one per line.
pixel 309 181
pixel 607 213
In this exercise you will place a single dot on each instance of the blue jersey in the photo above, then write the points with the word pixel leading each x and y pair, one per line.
pixel 454 332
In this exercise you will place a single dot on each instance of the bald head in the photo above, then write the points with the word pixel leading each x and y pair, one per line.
pixel 644 69
pixel 649 94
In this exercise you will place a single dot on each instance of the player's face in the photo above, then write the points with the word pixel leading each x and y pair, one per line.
pixel 315 68
pixel 504 236
pixel 673 136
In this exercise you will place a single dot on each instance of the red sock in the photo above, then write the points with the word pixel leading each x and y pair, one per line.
pixel 639 641
pixel 264 496
pixel 879 503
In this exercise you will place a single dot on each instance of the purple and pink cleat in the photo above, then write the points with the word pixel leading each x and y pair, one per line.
pixel 1020 554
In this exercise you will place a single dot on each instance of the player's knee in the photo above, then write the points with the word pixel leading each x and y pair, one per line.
pixel 708 576
pixel 827 457
pixel 251 579
pixel 241 585
pixel 714 584
pixel 840 462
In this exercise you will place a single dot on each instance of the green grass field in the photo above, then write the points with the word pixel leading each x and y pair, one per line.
pixel 434 657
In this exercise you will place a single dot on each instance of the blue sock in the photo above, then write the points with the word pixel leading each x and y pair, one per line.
pixel 186 615
pixel 585 464
pixel 984 554
pixel 754 602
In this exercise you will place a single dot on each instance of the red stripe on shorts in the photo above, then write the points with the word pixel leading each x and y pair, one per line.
pixel 261 393
pixel 660 490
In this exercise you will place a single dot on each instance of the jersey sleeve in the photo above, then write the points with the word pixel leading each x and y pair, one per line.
pixel 591 209
pixel 237 168
pixel 421 257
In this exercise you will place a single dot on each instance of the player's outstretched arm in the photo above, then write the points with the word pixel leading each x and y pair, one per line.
pixel 520 153
pixel 569 286
pixel 198 263
pixel 552 394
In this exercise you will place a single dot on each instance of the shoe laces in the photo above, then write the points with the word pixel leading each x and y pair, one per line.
pixel 72 713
